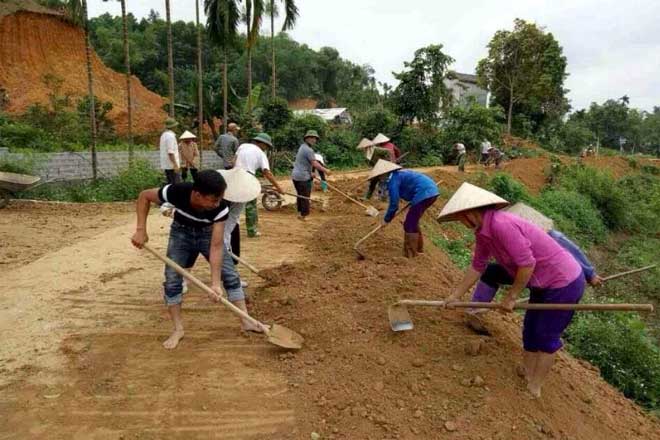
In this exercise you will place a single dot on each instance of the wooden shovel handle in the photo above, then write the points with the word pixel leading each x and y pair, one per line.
pixel 537 306
pixel 629 272
pixel 298 196
pixel 245 263
pixel 190 277
pixel 337 190
pixel 379 227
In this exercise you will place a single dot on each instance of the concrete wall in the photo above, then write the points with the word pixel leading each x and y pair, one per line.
pixel 74 166
pixel 462 90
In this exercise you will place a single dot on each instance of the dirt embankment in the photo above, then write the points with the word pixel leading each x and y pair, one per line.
pixel 34 45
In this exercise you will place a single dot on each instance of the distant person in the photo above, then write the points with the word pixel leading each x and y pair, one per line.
pixel 189 155
pixel 197 228
pixel 485 149
pixel 460 156
pixel 496 156
pixel 252 158
pixel 169 153
pixel 302 172
pixel 373 154
pixel 227 144
pixel 413 187
pixel 383 141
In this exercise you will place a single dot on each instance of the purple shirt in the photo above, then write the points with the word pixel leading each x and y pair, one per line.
pixel 515 243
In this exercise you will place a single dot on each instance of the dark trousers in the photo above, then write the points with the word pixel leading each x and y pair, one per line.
pixel 236 241
pixel 172 177
pixel 184 173
pixel 303 188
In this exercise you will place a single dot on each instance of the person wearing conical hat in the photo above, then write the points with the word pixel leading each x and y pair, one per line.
pixel 383 141
pixel 303 167
pixel 486 293
pixel 170 162
pixel 413 187
pixel 189 155
pixel 373 154
pixel 525 256
pixel 252 158
pixel 198 226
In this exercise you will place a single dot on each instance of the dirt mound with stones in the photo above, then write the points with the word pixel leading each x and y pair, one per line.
pixel 34 45
pixel 355 379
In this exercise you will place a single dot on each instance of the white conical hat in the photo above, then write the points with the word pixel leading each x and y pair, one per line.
pixel 380 138
pixel 532 215
pixel 187 135
pixel 242 186
pixel 468 197
pixel 364 143
pixel 383 167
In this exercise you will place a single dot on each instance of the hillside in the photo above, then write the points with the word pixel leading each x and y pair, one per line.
pixel 33 45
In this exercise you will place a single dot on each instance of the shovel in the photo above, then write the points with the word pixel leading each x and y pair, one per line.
pixel 400 318
pixel 370 210
pixel 265 274
pixel 275 334
pixel 324 203
pixel 357 244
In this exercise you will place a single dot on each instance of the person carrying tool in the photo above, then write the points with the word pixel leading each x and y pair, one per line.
pixel 460 156
pixel 252 158
pixel 198 228
pixel 485 148
pixel 302 172
pixel 189 154
pixel 383 141
pixel 526 256
pixel 413 187
pixel 373 154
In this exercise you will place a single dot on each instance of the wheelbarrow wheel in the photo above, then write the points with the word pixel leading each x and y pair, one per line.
pixel 271 201
pixel 4 198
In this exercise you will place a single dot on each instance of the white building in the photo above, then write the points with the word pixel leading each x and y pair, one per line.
pixel 464 86
pixel 338 115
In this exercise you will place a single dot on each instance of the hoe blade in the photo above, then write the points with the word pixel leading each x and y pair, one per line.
pixel 399 317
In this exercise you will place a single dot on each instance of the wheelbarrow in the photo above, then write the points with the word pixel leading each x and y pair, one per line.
pixel 12 183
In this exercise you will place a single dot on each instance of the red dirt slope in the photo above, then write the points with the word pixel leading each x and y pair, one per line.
pixel 33 45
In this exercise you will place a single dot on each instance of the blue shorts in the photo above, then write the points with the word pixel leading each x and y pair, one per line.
pixel 185 245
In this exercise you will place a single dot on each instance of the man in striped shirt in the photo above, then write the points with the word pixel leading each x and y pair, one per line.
pixel 198 228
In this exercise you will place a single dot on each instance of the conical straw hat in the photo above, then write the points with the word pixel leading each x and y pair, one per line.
pixel 187 135
pixel 468 197
pixel 242 186
pixel 364 143
pixel 383 167
pixel 532 215
pixel 380 138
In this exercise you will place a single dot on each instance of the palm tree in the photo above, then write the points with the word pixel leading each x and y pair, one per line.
pixel 254 9
pixel 170 58
pixel 222 27
pixel 77 10
pixel 290 16
pixel 200 85
pixel 127 64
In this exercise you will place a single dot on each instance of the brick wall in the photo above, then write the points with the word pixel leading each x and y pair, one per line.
pixel 74 166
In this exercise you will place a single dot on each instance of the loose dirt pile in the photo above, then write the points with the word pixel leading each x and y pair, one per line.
pixel 34 45
pixel 356 379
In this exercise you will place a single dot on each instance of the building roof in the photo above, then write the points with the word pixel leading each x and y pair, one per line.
pixel 9 7
pixel 465 77
pixel 327 114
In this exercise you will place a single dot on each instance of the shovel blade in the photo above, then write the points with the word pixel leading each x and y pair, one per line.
pixel 399 317
pixel 373 212
pixel 284 337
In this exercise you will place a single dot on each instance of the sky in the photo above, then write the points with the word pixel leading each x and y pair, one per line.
pixel 612 46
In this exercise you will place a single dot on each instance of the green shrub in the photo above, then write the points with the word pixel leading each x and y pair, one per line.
pixel 338 148
pixel 633 163
pixel 27 165
pixel 368 124
pixel 459 249
pixel 574 214
pixel 508 188
pixel 290 137
pixel 275 115
pixel 424 145
pixel 17 135
pixel 618 344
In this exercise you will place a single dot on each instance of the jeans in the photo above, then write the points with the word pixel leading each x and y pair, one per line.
pixel 171 177
pixel 303 188
pixel 185 245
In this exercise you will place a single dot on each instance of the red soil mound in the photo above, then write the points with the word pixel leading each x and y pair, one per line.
pixel 356 379
pixel 34 45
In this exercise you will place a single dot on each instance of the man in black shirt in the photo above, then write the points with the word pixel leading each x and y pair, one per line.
pixel 198 228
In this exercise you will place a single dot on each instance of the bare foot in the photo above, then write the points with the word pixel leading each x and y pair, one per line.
pixel 535 390
pixel 247 326
pixel 173 340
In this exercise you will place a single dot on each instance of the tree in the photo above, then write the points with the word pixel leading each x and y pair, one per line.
pixel 127 65
pixel 471 124
pixel 221 25
pixel 290 16
pixel 77 12
pixel 421 90
pixel 525 69
pixel 200 86
pixel 254 10
pixel 170 58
